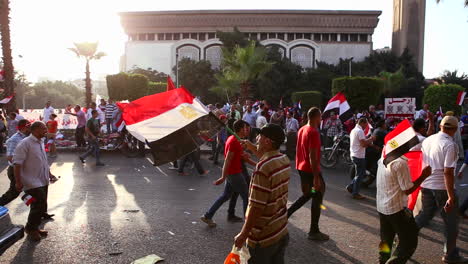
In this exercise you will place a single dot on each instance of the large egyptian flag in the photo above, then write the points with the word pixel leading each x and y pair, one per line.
pixel 340 106
pixel 399 141
pixel 173 123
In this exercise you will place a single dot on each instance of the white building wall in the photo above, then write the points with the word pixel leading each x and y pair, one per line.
pixel 332 52
pixel 144 54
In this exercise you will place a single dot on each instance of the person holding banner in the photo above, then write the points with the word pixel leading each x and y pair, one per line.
pixel 438 192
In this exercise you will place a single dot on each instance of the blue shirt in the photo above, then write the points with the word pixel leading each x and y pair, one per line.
pixel 13 141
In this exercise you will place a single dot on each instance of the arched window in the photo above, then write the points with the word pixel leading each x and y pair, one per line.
pixel 303 55
pixel 189 51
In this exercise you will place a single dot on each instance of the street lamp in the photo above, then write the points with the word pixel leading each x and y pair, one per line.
pixel 350 62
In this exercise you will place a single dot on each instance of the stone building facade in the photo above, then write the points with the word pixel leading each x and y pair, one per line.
pixel 157 39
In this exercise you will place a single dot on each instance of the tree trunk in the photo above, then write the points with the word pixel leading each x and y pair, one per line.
pixel 88 84
pixel 244 92
pixel 8 81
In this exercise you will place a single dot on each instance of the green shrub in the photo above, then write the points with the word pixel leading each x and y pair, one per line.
pixel 123 86
pixel 444 95
pixel 359 91
pixel 156 87
pixel 308 99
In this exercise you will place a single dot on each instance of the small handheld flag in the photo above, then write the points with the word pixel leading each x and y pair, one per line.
pixel 28 199
pixel 461 98
pixel 399 141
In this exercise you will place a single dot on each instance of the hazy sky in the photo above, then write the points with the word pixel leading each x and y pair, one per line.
pixel 43 30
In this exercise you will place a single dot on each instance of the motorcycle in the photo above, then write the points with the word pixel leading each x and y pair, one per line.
pixel 122 141
pixel 339 149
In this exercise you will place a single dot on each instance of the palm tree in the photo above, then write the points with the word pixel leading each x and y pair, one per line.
pixel 241 68
pixel 466 2
pixel 87 50
pixel 8 70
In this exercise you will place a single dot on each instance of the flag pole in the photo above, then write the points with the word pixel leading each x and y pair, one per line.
pixel 227 127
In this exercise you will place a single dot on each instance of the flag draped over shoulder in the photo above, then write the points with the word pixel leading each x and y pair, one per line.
pixel 399 141
pixel 173 123
pixel 415 167
pixel 340 106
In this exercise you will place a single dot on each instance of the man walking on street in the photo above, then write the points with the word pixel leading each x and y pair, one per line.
pixel 393 187
pixel 11 143
pixel 110 114
pixel 80 128
pixel 32 174
pixel 265 228
pixel 93 128
pixel 232 172
pixel 292 126
pixel 308 166
pixel 438 192
pixel 48 110
pixel 358 145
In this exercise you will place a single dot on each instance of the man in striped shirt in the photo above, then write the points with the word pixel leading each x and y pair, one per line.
pixel 110 114
pixel 265 227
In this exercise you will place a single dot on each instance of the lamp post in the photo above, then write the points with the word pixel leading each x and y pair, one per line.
pixel 177 68
pixel 350 62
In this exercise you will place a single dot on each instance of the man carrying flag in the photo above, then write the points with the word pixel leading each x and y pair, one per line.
pixel 393 187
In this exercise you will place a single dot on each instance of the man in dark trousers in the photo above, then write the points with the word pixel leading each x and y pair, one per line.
pixel 93 128
pixel 32 175
pixel 308 165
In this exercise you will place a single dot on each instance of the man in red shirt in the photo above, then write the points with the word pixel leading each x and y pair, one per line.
pixel 308 165
pixel 232 172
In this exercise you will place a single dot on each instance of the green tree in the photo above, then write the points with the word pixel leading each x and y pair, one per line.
pixel 8 70
pixel 280 81
pixel 232 39
pixel 87 50
pixel 197 77
pixel 241 68
pixel 444 96
pixel 124 86
pixel 392 82
pixel 59 93
pixel 453 78
pixel 152 75
pixel 360 92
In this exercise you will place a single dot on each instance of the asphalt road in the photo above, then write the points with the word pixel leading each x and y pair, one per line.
pixel 93 225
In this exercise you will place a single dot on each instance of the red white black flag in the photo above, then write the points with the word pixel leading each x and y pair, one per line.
pixel 173 123
pixel 461 98
pixel 339 106
pixel 399 141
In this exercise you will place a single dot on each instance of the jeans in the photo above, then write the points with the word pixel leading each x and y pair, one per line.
pixel 79 136
pixel 464 206
pixel 233 200
pixel 196 161
pixel 219 148
pixel 273 254
pixel 317 199
pixel 93 149
pixel 433 201
pixel 38 207
pixel 12 193
pixel 402 224
pixel 360 165
pixel 291 144
pixel 234 183
pixel 109 125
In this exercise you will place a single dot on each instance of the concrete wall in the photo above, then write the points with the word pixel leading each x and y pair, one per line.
pixel 144 54
pixel 332 52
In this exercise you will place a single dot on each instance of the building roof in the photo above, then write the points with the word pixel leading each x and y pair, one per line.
pixel 313 21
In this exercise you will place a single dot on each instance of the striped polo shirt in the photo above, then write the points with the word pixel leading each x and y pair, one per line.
pixel 269 192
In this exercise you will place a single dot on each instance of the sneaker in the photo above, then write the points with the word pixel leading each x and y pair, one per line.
pixel 47 216
pixel 458 259
pixel 173 168
pixel 234 219
pixel 319 236
pixel 358 197
pixel 100 164
pixel 208 221
pixel 82 160
pixel 349 188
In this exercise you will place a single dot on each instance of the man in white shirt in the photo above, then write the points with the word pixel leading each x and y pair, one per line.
pixel 261 120
pixel 292 126
pixel 393 187
pixel 358 145
pixel 438 192
pixel 48 110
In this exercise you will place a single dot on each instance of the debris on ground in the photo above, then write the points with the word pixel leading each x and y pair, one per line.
pixel 150 259
pixel 131 211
